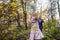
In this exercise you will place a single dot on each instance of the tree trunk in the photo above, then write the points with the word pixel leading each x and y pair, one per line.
pixel 24 11
pixel 25 18
pixel 51 13
pixel 58 8
pixel 18 19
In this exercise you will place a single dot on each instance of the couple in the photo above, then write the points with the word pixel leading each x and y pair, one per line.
pixel 36 29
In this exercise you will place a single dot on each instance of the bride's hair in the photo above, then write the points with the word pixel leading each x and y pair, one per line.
pixel 35 19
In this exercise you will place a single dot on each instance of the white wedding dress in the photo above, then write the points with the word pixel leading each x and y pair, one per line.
pixel 35 33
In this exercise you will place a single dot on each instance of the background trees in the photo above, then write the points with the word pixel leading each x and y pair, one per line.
pixel 16 14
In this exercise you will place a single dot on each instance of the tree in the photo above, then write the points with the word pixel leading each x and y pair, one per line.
pixel 58 7
pixel 24 12
pixel 54 9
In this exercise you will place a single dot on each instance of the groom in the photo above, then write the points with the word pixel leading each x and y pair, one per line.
pixel 40 22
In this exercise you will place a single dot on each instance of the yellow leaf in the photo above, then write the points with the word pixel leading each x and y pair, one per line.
pixel 2 10
pixel 22 14
pixel 3 31
pixel 14 13
pixel 35 29
pixel 11 14
pixel 12 27
pixel 1 6
pixel 5 8
pixel 2 18
pixel 6 31
pixel 13 4
pixel 14 9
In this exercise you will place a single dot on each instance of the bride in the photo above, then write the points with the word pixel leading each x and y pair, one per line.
pixel 35 33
